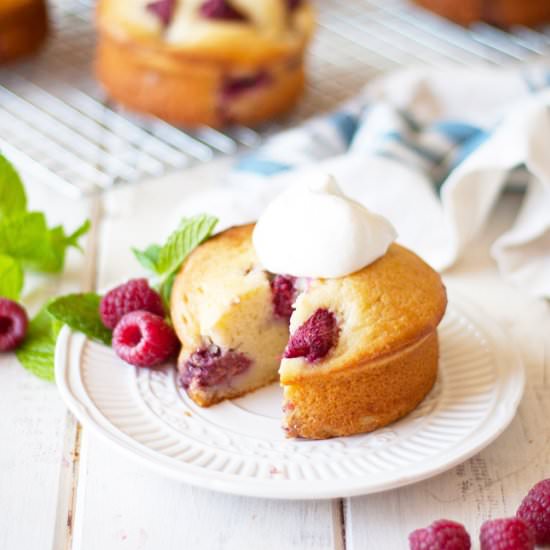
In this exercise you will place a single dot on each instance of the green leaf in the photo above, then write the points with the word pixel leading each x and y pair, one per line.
pixel 148 258
pixel 11 277
pixel 24 236
pixel 27 238
pixel 81 312
pixel 12 193
pixel 183 241
pixel 165 290
pixel 52 259
pixel 37 353
pixel 72 239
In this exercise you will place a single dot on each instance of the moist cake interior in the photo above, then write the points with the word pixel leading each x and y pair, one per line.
pixel 244 348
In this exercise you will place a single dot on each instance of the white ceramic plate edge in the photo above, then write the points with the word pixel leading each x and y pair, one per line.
pixel 67 355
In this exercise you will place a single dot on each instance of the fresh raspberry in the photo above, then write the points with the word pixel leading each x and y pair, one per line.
pixel 442 534
pixel 235 86
pixel 209 366
pixel 163 9
pixel 535 511
pixel 220 9
pixel 134 295
pixel 284 294
pixel 144 339
pixel 315 338
pixel 13 324
pixel 506 534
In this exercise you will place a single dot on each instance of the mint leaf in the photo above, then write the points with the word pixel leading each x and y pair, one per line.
pixel 148 258
pixel 24 236
pixel 81 312
pixel 72 239
pixel 11 277
pixel 37 352
pixel 12 193
pixel 165 290
pixel 52 258
pixel 166 260
pixel 180 243
pixel 27 238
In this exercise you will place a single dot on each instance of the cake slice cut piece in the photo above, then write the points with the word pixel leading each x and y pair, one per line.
pixel 224 313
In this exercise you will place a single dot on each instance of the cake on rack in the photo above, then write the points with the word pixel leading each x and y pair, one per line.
pixel 23 28
pixel 204 62
pixel 502 13
pixel 352 353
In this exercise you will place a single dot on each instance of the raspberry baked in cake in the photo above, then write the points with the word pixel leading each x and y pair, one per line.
pixel 352 353
pixel 23 27
pixel 213 62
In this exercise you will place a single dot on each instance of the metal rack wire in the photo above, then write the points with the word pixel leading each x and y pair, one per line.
pixel 56 123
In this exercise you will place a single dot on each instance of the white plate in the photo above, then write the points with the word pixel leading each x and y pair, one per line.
pixel 238 446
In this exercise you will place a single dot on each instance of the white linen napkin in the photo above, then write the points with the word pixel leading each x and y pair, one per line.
pixel 429 149
pixel 467 133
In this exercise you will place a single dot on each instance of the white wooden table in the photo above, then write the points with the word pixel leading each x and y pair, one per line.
pixel 61 488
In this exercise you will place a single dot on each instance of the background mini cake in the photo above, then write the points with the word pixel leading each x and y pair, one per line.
pixel 195 62
pixel 503 13
pixel 23 27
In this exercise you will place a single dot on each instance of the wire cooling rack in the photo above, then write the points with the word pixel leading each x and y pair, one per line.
pixel 56 123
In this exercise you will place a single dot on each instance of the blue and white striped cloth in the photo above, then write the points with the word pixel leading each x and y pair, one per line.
pixel 432 151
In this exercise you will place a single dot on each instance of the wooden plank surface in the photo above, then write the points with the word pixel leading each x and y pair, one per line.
pixel 121 504
pixel 492 483
pixel 36 431
pixel 82 495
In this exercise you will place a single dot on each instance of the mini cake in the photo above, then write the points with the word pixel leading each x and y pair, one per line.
pixel 502 13
pixel 23 27
pixel 204 62
pixel 352 353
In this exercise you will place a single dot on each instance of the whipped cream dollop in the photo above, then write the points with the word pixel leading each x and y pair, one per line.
pixel 317 231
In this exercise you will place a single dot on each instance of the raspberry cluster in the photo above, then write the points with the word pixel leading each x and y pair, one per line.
pixel 141 335
pixel 530 527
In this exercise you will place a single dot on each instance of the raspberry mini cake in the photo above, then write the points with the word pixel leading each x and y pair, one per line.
pixel 23 27
pixel 502 13
pixel 213 62
pixel 353 353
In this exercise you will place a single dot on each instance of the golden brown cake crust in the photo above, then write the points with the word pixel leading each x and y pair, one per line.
pixel 503 13
pixel 364 398
pixel 385 307
pixel 186 91
pixel 23 28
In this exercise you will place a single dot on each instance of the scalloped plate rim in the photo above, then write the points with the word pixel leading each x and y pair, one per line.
pixel 295 489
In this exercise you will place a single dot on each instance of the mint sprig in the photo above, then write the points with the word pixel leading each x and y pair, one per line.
pixel 11 277
pixel 13 199
pixel 26 241
pixel 81 313
pixel 149 257
pixel 52 259
pixel 164 261
pixel 37 352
